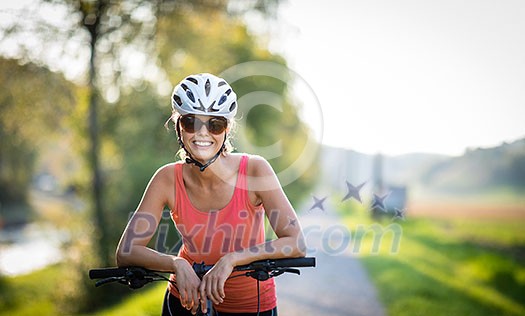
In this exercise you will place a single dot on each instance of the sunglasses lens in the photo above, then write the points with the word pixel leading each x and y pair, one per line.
pixel 188 123
pixel 215 125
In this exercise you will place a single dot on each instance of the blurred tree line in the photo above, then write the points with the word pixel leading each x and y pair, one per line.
pixel 116 112
pixel 480 170
pixel 33 103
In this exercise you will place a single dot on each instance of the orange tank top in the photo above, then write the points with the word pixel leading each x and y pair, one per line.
pixel 207 236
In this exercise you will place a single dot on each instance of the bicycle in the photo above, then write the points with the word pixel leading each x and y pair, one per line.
pixel 262 270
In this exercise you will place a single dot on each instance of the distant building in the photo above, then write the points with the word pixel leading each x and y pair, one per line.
pixel 387 197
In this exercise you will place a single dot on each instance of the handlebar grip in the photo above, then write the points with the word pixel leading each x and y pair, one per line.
pixel 107 273
pixel 295 262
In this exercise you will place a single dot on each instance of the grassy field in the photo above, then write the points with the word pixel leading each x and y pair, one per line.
pixel 144 302
pixel 35 294
pixel 448 265
pixel 30 294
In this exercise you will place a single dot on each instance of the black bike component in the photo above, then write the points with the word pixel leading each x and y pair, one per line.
pixel 201 269
pixel 271 264
pixel 106 273
pixel 137 277
pixel 133 277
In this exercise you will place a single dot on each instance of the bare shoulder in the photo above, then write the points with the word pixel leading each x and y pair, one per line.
pixel 162 184
pixel 261 176
pixel 165 173
pixel 164 179
pixel 259 166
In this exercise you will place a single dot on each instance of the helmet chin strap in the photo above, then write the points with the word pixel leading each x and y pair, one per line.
pixel 191 160
pixel 201 166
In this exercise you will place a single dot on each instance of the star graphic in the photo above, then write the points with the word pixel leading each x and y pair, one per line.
pixel 379 201
pixel 318 203
pixel 292 221
pixel 353 192
pixel 399 214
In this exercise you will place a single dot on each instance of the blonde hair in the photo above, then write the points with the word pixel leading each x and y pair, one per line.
pixel 228 146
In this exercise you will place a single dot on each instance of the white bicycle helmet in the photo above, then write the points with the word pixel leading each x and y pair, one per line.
pixel 204 94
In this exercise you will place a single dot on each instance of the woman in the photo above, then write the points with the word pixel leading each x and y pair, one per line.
pixel 218 200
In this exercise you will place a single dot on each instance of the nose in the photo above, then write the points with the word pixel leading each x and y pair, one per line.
pixel 203 130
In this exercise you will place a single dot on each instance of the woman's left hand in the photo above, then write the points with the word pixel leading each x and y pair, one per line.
pixel 212 285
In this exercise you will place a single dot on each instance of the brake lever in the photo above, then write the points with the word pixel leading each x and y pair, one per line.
pixel 132 283
pixel 294 271
pixel 108 280
pixel 277 272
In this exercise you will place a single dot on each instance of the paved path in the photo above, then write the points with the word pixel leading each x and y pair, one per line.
pixel 339 285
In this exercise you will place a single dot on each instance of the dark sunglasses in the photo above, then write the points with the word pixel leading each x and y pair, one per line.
pixel 215 125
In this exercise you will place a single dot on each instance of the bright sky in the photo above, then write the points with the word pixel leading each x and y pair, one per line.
pixel 410 75
pixel 407 75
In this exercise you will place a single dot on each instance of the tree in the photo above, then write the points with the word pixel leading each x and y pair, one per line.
pixel 137 50
pixel 29 113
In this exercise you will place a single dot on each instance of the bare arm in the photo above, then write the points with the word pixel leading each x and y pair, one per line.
pixel 290 241
pixel 132 249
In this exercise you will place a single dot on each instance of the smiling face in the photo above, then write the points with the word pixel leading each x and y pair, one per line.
pixel 203 135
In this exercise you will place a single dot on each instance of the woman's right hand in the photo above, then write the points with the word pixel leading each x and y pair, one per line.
pixel 188 284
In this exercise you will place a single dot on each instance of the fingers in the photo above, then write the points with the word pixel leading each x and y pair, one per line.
pixel 212 287
pixel 183 298
pixel 213 291
pixel 204 304
pixel 194 303
pixel 189 294
pixel 203 297
pixel 190 300
pixel 220 289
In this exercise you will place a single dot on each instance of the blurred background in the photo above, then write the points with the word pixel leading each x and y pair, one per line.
pixel 422 102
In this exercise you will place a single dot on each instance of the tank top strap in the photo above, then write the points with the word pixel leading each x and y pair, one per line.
pixel 242 182
pixel 179 191
pixel 179 181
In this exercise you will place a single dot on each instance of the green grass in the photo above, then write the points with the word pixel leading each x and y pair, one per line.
pixel 30 294
pixel 42 292
pixel 36 294
pixel 146 301
pixel 446 266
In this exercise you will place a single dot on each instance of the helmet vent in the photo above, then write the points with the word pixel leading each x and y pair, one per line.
pixel 193 80
pixel 222 83
pixel 200 107
pixel 177 100
pixel 211 109
pixel 223 99
pixel 207 87
pixel 233 106
pixel 190 95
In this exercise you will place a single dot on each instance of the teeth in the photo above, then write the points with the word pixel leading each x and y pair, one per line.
pixel 202 143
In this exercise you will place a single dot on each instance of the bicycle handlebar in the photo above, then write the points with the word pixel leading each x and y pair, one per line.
pixel 101 273
pixel 136 277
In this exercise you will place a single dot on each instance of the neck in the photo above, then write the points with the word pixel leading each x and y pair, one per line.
pixel 219 171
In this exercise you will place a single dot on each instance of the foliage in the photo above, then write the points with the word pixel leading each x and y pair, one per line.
pixel 139 145
pixel 35 294
pixel 33 103
pixel 450 267
pixel 171 39
pixel 30 294
pixel 143 302
pixel 480 169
